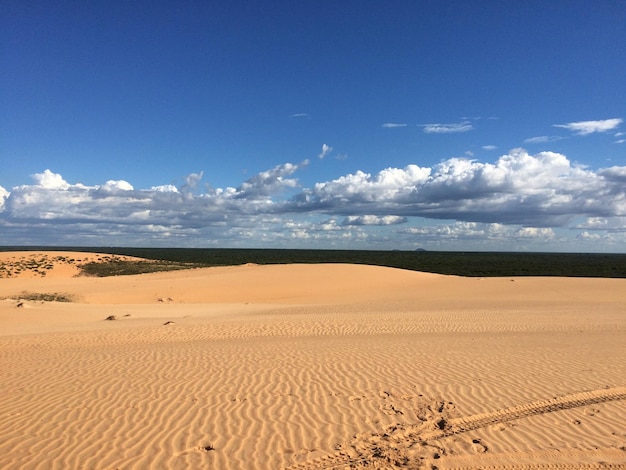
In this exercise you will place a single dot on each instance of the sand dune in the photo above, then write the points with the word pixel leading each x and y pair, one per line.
pixel 312 366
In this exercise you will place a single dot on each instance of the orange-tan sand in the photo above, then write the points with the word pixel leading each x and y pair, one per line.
pixel 310 366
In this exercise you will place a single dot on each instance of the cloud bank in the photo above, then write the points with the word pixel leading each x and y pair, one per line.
pixel 542 190
pixel 517 199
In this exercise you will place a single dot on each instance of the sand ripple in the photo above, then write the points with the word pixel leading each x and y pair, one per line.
pixel 379 382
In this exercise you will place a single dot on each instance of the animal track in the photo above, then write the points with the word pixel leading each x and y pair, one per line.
pixel 409 445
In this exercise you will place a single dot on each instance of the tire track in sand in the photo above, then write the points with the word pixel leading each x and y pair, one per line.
pixel 469 423
pixel 407 446
pixel 607 458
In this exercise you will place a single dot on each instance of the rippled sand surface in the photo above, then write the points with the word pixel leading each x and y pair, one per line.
pixel 312 366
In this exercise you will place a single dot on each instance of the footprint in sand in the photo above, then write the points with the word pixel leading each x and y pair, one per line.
pixel 410 445
pixel 478 447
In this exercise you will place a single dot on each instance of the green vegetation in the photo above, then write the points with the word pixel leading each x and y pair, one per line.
pixel 484 264
pixel 118 267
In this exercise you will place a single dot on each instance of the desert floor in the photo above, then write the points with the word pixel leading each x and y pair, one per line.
pixel 307 367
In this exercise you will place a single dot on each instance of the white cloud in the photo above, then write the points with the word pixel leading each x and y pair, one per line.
pixel 117 202
pixel 620 141
pixel 326 149
pixel 590 127
pixel 536 190
pixel 374 220
pixel 49 180
pixel 4 194
pixel 487 232
pixel 299 115
pixel 535 232
pixel 287 232
pixel 595 223
pixel 269 182
pixel 520 196
pixel 542 139
pixel 448 128
pixel 120 185
pixel 613 224
pixel 490 147
pixel 191 181
pixel 594 237
pixel 391 125
pixel 166 188
pixel 387 185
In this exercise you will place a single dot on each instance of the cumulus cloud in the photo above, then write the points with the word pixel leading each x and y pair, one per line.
pixel 590 127
pixel 326 149
pixel 113 186
pixel 539 190
pixel 595 223
pixel 483 236
pixel 166 188
pixel 613 224
pixel 463 126
pixel 269 182
pixel 361 187
pixel 51 198
pixel 374 220
pixel 49 180
pixel 391 125
pixel 594 237
pixel 520 196
pixel 615 174
pixel 535 232
pixel 489 232
pixel 4 194
pixel 191 181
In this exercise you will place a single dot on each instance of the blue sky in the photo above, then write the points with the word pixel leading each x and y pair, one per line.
pixel 453 125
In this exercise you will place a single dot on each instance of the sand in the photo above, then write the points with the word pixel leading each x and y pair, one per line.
pixel 310 366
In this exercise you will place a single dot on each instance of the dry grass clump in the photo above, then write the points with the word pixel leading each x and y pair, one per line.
pixel 41 297
pixel 36 264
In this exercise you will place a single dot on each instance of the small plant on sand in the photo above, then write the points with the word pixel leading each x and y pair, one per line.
pixel 42 297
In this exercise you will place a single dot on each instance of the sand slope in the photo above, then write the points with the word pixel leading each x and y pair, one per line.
pixel 313 366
